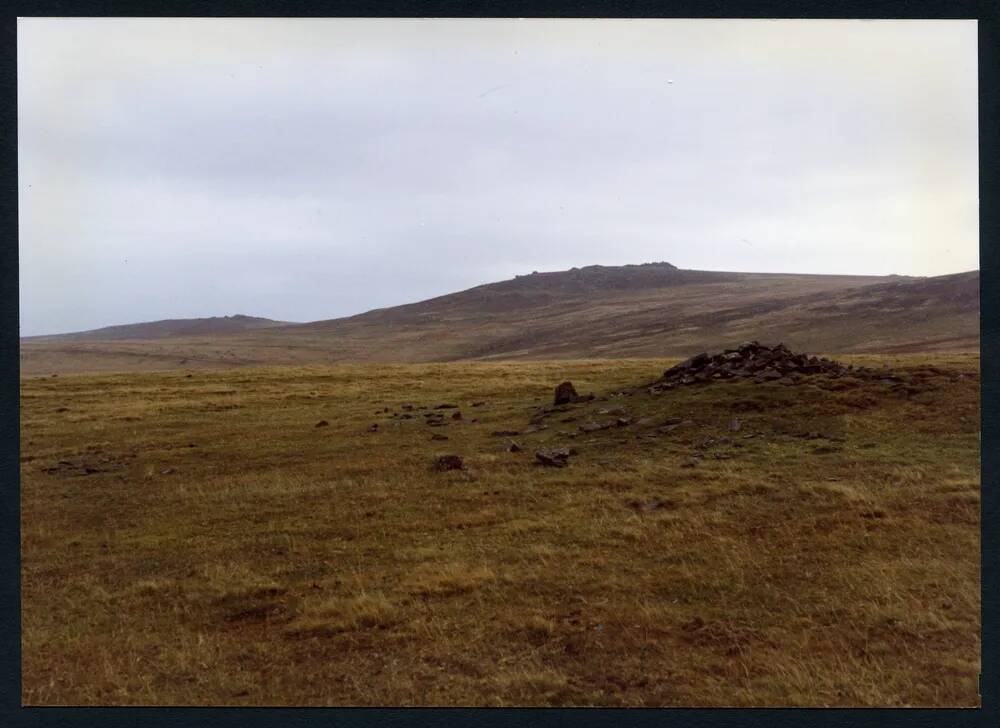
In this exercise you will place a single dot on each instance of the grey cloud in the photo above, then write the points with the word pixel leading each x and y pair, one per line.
pixel 313 169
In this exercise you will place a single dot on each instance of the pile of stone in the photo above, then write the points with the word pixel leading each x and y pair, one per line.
pixel 759 363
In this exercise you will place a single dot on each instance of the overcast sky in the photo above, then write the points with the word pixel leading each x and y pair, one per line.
pixel 309 169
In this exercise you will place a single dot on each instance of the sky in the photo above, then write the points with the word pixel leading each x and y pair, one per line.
pixel 306 169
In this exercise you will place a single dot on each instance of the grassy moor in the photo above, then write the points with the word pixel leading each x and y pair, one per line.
pixel 336 535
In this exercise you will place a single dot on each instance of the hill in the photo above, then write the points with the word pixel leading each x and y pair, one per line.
pixel 651 310
pixel 167 328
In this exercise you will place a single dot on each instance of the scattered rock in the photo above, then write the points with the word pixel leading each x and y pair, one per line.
pixel 735 424
pixel 566 394
pixel 439 436
pixel 618 411
pixel 478 404
pixel 689 463
pixel 322 423
pixel 554 458
pixel 534 428
pixel 672 424
pixel 373 428
pixel 505 433
pixel 769 375
pixel 446 406
pixel 449 462
pixel 457 415
pixel 514 447
pixel 825 450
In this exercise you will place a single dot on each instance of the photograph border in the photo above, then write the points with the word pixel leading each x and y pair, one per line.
pixel 11 712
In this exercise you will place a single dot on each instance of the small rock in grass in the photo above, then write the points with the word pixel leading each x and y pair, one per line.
pixel 554 458
pixel 322 423
pixel 449 462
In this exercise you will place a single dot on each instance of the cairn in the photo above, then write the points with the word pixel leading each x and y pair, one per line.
pixel 759 363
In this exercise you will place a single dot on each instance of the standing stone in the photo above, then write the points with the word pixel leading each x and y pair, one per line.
pixel 565 394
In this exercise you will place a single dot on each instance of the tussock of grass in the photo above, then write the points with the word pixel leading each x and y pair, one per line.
pixel 448 579
pixel 333 615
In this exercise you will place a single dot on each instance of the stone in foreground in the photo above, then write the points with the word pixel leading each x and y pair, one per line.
pixel 449 462
pixel 565 394
pixel 554 458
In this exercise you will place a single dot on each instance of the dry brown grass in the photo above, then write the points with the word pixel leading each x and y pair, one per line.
pixel 205 544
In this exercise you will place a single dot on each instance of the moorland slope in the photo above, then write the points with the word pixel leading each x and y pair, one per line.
pixel 646 310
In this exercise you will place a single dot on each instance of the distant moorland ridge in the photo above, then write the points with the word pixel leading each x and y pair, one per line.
pixel 649 310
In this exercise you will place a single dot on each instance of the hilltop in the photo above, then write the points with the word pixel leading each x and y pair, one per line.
pixel 167 328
